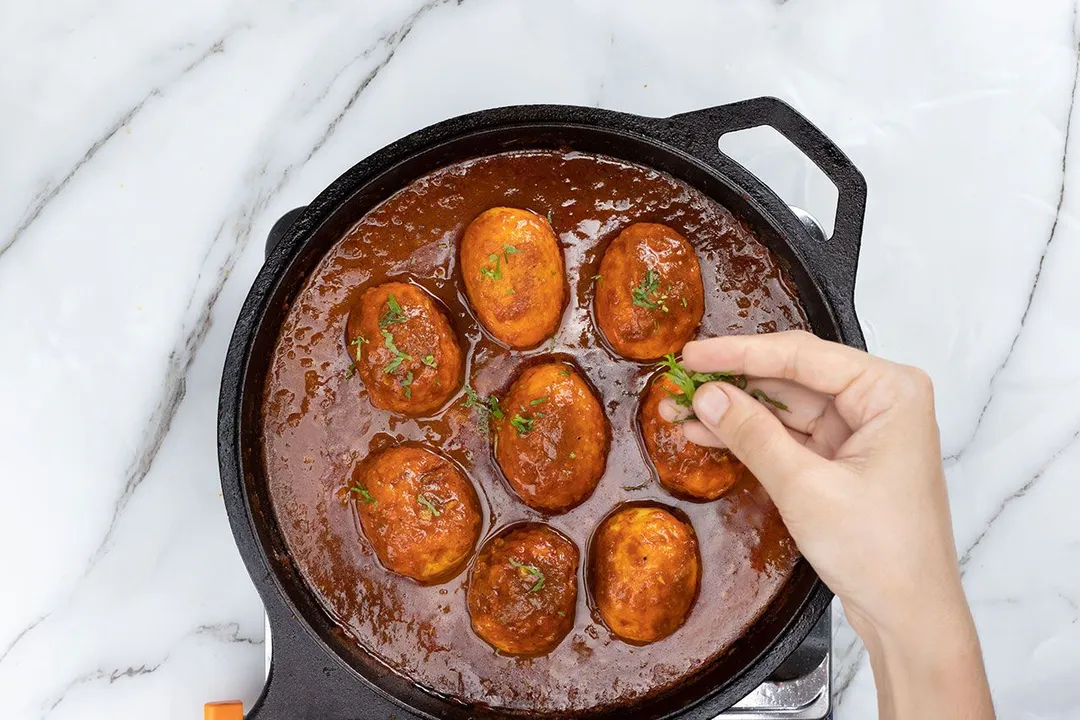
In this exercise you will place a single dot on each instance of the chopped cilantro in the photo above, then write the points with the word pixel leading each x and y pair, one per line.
pixel 522 424
pixel 399 357
pixel 493 408
pixel 429 360
pixel 647 294
pixel 537 401
pixel 526 570
pixel 407 384
pixel 760 396
pixel 486 407
pixel 393 314
pixel 494 272
pixel 429 505
pixel 365 496
pixel 357 342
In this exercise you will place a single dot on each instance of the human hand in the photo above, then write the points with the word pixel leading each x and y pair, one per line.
pixel 854 467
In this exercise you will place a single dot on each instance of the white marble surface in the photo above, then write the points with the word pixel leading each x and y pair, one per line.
pixel 146 148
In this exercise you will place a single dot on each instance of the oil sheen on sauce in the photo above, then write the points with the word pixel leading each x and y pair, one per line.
pixel 317 422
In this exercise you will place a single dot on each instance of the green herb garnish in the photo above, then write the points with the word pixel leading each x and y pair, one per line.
pixel 642 486
pixel 522 424
pixel 565 372
pixel 472 399
pixel 647 294
pixel 350 371
pixel 399 357
pixel 688 382
pixel 429 360
pixel 537 401
pixel 598 278
pixel 511 291
pixel 573 455
pixel 490 406
pixel 357 342
pixel 429 505
pixel 365 496
pixel 407 384
pixel 393 314
pixel 760 396
pixel 494 272
pixel 530 570
pixel 683 302
pixel 508 250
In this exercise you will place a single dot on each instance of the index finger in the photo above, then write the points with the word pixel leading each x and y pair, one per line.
pixel 818 364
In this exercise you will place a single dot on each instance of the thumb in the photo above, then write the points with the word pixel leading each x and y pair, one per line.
pixel 755 436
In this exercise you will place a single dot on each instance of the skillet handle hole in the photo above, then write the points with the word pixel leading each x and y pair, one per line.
pixel 784 168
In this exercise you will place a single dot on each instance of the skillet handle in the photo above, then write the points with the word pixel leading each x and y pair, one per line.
pixel 832 263
pixel 304 681
pixel 282 224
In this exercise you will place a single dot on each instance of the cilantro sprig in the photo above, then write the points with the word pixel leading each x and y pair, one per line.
pixel 688 382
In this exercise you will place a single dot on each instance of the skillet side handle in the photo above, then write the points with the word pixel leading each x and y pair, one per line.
pixel 304 681
pixel 834 263
pixel 280 226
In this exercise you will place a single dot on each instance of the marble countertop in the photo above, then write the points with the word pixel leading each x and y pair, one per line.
pixel 146 149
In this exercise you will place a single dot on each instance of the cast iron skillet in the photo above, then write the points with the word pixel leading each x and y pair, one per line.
pixel 319 672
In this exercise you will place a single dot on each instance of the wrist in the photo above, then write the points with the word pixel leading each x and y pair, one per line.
pixel 928 668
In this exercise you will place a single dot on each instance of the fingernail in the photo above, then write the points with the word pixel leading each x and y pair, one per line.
pixel 710 403
pixel 673 413
pixel 668 410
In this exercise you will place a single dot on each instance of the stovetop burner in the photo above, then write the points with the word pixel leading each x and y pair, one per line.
pixel 801 688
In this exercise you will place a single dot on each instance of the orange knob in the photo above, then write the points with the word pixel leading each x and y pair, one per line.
pixel 228 710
